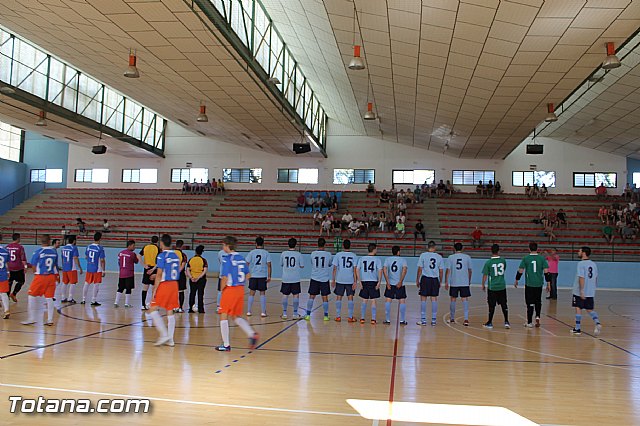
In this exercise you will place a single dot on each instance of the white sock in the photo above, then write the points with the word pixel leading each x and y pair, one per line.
pixel 96 287
pixel 85 290
pixel 171 321
pixel 224 330
pixel 31 307
pixel 158 323
pixel 244 325
pixel 50 304
pixel 4 298
pixel 70 294
pixel 127 299
pixel 65 290
pixel 118 294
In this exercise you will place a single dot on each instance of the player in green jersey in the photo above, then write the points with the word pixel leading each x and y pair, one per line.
pixel 536 270
pixel 494 269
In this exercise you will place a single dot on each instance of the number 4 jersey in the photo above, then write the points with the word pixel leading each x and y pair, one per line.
pixel 168 263
pixel 495 268
pixel 94 253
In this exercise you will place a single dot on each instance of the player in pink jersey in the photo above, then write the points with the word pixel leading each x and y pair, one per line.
pixel 17 264
pixel 127 259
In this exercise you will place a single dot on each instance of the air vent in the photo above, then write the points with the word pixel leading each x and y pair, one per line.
pixel 183 122
pixel 201 132
pixel 47 136
pixel 259 146
pixel 246 136
pixel 72 140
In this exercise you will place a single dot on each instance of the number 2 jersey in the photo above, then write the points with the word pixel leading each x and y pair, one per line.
pixel 258 260
pixel 45 260
pixel 168 264
pixel 4 264
pixel 94 253
pixel 234 267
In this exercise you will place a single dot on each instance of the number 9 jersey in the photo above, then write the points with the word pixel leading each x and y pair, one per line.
pixel 168 263
pixel 234 267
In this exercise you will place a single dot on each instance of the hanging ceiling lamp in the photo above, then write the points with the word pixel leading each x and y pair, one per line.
pixel 369 115
pixel 356 62
pixel 132 69
pixel 551 115
pixel 42 119
pixel 202 117
pixel 611 61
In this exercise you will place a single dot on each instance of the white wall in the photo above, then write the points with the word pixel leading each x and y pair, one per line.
pixel 346 152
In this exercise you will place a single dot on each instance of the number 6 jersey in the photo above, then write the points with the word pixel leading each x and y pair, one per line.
pixel 168 264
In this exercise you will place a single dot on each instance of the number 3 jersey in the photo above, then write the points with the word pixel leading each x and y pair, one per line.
pixel 45 259
pixel 94 253
pixel 168 264
pixel 4 263
pixel 234 267
pixel 431 264
pixel 495 268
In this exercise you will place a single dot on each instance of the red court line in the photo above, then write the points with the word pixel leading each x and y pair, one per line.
pixel 392 384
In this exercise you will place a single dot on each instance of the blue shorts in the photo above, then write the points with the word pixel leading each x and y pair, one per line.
pixel 290 288
pixel 258 284
pixel 396 293
pixel 586 303
pixel 319 287
pixel 463 291
pixel 429 287
pixel 341 289
pixel 369 290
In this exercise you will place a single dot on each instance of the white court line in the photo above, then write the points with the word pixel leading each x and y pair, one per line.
pixel 182 401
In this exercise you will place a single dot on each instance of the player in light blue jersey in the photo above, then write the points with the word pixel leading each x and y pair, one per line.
pixel 584 291
pixel 428 279
pixel 344 278
pixel 259 261
pixel 369 274
pixel 5 256
pixel 292 264
pixel 320 277
pixel 95 269
pixel 394 271
pixel 221 256
pixel 458 277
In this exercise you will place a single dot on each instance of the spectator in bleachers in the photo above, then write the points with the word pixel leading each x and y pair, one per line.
pixel 450 189
pixel 535 191
pixel 603 214
pixel 207 186
pixel 373 220
pixel 476 237
pixel 346 219
pixel 628 232
pixel 609 233
pixel 417 194
pixel 334 202
pixel 65 233
pixel 528 191
pixel 364 219
pixel 317 219
pixel 214 186
pixel 433 189
pixel 300 200
pixel 382 221
pixel 543 191
pixel 384 197
pixel 326 226
pixel 82 227
pixel 354 228
pixel 561 218
pixel 400 195
pixel 220 185
pixel 400 227
pixel 402 207
pixel 410 197
pixel 441 189
pixel 195 187
pixel 490 190
pixel 628 192
pixel 480 189
pixel 498 187
pixel 185 186
pixel 371 189
pixel 106 227
pixel 601 191
pixel 326 201
pixel 420 230
pixel 548 231
pixel 309 201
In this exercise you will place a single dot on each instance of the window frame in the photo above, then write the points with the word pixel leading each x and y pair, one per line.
pixel 354 172
pixel 182 170
pixel 533 181
pixel 413 182
pixel 475 180
pixel 45 176
pixel 297 175
pixel 228 174
pixel 595 180
pixel 91 176
pixel 139 171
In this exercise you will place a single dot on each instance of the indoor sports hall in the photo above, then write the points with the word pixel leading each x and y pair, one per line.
pixel 306 212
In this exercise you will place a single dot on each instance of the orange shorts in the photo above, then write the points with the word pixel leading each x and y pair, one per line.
pixel 4 286
pixel 43 285
pixel 93 278
pixel 166 296
pixel 70 277
pixel 232 301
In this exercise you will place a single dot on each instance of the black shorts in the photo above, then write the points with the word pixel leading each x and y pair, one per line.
pixel 258 284
pixel 182 282
pixel 146 278
pixel 396 293
pixel 126 283
pixel 17 276
pixel 532 295
pixel 219 281
pixel 341 289
pixel 497 297
pixel 429 287
pixel 369 290
pixel 290 288
pixel 464 291
pixel 319 287
pixel 586 303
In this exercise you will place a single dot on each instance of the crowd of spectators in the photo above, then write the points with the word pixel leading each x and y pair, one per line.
pixel 324 200
pixel 209 187
pixel 536 191
pixel 489 190
pixel 551 221
pixel 620 220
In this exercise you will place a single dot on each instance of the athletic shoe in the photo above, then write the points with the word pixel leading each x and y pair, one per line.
pixel 264 315
pixel 326 318
pixel 249 313
pixel 6 315
pixel 452 320
pixel 404 323
pixel 223 348
pixel 96 304
pixel 296 316
pixel 307 317
pixel 253 341
pixel 466 323
pixel 352 320
pixel 597 330
pixel 59 310
pixel 528 325
pixel 161 340
pixel 144 307
pixel 507 325
pixel 374 322
pixel 283 316
pixel 28 322
pixel 14 298
pixel 83 302
pixel 422 323
pixel 488 325
pixel 170 342
pixel 64 301
pixel 576 332
pixel 338 319
pixel 48 324
pixel 191 311
pixel 361 320
pixel 73 302
pixel 180 311
pixel 128 306
pixel 200 312
pixel 537 322
pixel 433 323
pixel 385 322
pixel 115 305
pixel 218 310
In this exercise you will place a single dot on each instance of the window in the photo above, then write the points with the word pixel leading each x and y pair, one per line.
pixel 348 176
pixel 592 180
pixel 10 142
pixel 472 177
pixel 140 175
pixel 636 179
pixel 46 175
pixel 242 175
pixel 92 175
pixel 190 175
pixel 413 177
pixel 308 176
pixel 534 177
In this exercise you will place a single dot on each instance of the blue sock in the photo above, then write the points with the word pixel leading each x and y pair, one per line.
pixel 452 309
pixel 374 311
pixel 249 303
pixel 578 321
pixel 423 310
pixel 309 306
pixel 296 305
pixel 339 308
pixel 263 303
pixel 465 303
pixel 350 305
pixel 218 302
pixel 387 311
pixel 325 307
pixel 403 311
pixel 594 317
pixel 363 310
pixel 285 304
pixel 434 310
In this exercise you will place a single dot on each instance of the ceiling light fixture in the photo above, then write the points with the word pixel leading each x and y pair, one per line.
pixel 202 117
pixel 132 69
pixel 356 62
pixel 42 119
pixel 7 90
pixel 551 115
pixel 611 60
pixel 369 115
pixel 273 80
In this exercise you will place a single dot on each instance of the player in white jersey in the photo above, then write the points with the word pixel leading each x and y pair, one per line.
pixel 458 277
pixel 320 276
pixel 394 271
pixel 344 278
pixel 428 279
pixel 292 264
pixel 584 291
pixel 259 261
pixel 369 274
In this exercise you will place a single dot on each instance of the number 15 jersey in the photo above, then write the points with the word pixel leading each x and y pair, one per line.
pixel 168 264
pixel 344 262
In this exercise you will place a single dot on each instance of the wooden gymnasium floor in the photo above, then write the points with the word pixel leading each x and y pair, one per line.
pixel 303 373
